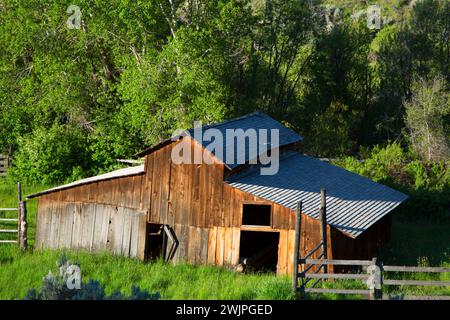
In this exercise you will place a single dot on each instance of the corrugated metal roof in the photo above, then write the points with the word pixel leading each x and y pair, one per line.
pixel 131 171
pixel 256 121
pixel 354 203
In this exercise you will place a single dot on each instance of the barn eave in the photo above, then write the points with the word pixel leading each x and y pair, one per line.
pixel 125 172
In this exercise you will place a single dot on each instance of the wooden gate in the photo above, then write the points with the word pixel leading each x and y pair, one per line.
pixel 19 216
pixel 373 273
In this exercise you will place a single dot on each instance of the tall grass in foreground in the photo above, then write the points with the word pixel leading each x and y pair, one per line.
pixel 23 271
pixel 424 244
pixel 20 272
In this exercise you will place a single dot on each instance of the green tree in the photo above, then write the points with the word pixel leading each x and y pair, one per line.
pixel 338 90
pixel 415 46
pixel 53 76
pixel 48 155
pixel 427 119
pixel 137 70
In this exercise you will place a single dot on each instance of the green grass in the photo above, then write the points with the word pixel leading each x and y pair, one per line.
pixel 412 244
pixel 424 244
pixel 20 272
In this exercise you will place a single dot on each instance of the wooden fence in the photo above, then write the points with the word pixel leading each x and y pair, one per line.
pixel 20 218
pixel 4 163
pixel 374 278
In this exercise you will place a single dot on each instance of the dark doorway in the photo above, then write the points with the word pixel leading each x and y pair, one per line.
pixel 259 251
pixel 155 241
pixel 256 214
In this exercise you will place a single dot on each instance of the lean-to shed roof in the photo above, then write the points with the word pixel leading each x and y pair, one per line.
pixel 354 203
pixel 131 171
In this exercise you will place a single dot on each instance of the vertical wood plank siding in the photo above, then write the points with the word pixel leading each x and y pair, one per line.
pixel 93 227
pixel 204 212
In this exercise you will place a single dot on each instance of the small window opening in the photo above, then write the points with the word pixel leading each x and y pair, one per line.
pixel 259 251
pixel 256 214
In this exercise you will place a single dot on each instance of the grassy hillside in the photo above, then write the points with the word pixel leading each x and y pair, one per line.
pixel 412 244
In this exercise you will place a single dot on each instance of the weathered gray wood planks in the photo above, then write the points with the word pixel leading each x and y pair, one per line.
pixel 93 227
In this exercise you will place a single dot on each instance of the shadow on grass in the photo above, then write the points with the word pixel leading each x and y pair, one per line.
pixel 417 244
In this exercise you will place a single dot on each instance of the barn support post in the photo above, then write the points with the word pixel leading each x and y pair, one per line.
pixel 323 225
pixel 298 224
pixel 22 219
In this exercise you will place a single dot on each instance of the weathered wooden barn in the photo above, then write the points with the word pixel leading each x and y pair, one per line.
pixel 217 212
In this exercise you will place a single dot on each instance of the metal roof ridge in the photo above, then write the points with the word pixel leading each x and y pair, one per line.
pixel 212 125
pixel 254 167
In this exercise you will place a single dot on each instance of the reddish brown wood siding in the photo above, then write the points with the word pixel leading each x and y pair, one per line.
pixel 187 194
pixel 123 192
pixel 366 245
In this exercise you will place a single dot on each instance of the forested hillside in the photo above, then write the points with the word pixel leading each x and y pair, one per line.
pixel 80 89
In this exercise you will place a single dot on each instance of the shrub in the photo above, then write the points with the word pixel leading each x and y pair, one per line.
pixel 55 287
pixel 427 183
pixel 382 164
pixel 53 155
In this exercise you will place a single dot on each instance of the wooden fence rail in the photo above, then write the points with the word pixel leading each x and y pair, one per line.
pixel 21 229
pixel 375 276
pixel 16 230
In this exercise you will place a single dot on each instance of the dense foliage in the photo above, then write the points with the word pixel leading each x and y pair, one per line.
pixel 73 100
pixel 426 183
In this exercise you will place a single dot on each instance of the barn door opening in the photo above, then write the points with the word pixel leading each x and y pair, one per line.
pixel 161 242
pixel 259 250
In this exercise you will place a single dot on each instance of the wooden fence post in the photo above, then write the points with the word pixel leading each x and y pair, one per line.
pixel 298 224
pixel 23 226
pixel 378 279
pixel 19 200
pixel 374 281
pixel 323 225
pixel 22 223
